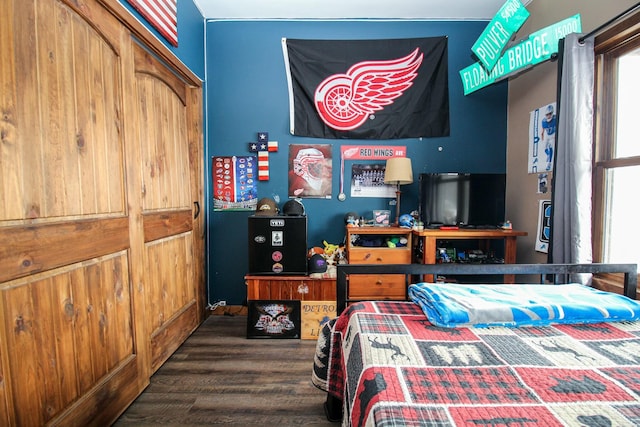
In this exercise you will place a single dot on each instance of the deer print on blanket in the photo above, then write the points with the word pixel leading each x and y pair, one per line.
pixel 397 351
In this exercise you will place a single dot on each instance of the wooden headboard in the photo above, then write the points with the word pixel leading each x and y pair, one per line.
pixel 546 273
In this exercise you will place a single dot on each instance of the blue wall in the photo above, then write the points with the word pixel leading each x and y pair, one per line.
pixel 247 93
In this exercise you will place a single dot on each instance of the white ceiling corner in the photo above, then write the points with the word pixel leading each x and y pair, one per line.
pixel 351 9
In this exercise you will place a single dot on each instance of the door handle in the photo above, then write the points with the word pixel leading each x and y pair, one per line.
pixel 197 205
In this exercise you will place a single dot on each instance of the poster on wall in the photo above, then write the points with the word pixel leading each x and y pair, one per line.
pixel 542 138
pixel 368 181
pixel 234 183
pixel 310 171
pixel 543 183
pixel 366 152
pixel 544 226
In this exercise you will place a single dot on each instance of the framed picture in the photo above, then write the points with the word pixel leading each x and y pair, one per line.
pixel 381 218
pixel 310 171
pixel 273 319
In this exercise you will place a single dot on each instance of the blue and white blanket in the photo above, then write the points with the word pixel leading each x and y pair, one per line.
pixel 453 305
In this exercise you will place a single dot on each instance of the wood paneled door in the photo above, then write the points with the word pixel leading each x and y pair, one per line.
pixel 169 184
pixel 101 183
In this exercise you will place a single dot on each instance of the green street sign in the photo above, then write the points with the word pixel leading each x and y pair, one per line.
pixel 498 32
pixel 536 49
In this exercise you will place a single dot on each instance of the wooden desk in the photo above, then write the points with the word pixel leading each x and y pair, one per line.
pixel 431 236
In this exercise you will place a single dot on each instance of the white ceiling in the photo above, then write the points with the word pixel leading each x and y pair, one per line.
pixel 336 9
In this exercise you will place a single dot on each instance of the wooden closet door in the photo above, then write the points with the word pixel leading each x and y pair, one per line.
pixel 168 173
pixel 101 259
pixel 67 342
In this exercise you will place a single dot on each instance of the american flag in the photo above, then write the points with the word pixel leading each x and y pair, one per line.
pixel 263 166
pixel 162 15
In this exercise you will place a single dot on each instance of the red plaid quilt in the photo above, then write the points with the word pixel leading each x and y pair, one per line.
pixel 391 367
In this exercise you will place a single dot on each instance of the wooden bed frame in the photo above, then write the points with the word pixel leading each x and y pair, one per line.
pixel 546 273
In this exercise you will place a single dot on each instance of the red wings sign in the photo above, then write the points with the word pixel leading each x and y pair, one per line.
pixel 368 89
pixel 345 101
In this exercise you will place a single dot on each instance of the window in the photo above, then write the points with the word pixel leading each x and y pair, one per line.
pixel 616 228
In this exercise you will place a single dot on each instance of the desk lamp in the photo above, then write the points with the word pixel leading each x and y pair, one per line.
pixel 398 171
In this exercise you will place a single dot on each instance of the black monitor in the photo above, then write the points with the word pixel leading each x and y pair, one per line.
pixel 462 199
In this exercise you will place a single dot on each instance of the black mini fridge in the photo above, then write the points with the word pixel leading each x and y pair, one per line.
pixel 277 245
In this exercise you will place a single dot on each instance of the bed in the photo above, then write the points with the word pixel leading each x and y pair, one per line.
pixel 384 363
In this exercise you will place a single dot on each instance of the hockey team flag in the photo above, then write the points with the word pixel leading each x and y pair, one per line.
pixel 368 89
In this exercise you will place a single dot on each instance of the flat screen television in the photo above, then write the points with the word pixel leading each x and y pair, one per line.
pixel 462 199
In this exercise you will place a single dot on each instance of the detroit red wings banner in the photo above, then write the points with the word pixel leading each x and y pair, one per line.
pixel 162 15
pixel 368 89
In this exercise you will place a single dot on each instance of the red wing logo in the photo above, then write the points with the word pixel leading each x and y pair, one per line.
pixel 344 101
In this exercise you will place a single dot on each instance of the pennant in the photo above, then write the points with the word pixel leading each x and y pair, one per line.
pixel 368 89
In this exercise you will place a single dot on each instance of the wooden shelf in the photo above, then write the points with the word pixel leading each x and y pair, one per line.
pixel 429 239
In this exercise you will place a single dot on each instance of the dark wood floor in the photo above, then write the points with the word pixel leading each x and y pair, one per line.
pixel 219 377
